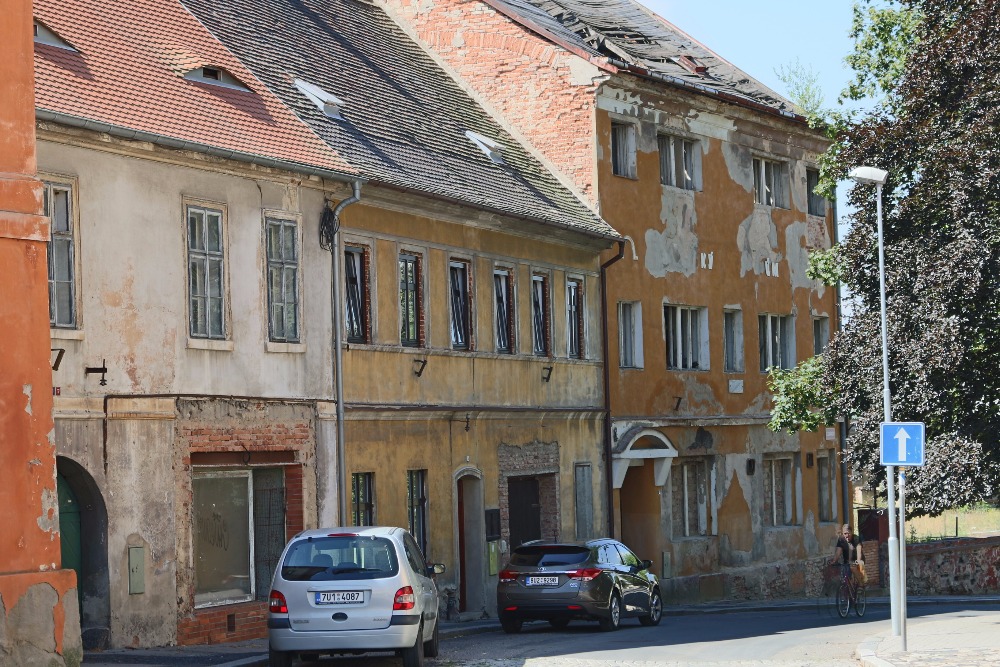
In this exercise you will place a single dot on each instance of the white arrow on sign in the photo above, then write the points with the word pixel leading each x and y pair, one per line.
pixel 901 437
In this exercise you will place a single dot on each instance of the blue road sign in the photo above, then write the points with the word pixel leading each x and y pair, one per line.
pixel 902 443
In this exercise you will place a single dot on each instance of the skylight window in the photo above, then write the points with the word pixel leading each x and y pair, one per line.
pixel 326 102
pixel 44 35
pixel 492 149
pixel 215 76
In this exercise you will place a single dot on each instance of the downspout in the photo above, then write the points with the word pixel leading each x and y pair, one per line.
pixel 845 506
pixel 329 231
pixel 608 475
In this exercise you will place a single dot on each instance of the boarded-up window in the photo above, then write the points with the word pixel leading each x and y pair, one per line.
pixel 825 484
pixel 689 497
pixel 779 499
pixel 584 487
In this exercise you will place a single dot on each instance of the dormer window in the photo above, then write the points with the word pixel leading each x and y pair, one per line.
pixel 326 102
pixel 44 35
pixel 492 149
pixel 215 76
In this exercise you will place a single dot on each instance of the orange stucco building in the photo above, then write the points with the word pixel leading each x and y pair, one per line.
pixel 39 616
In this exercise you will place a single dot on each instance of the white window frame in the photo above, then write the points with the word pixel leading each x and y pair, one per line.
pixel 630 334
pixel 680 162
pixel 284 264
pixel 71 234
pixel 219 256
pixel 686 334
pixel 623 151
pixel 685 471
pixel 776 341
pixel 770 181
pixel 503 300
pixel 733 342
pixel 541 320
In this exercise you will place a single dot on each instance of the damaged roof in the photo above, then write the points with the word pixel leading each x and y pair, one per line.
pixel 126 71
pixel 629 36
pixel 382 103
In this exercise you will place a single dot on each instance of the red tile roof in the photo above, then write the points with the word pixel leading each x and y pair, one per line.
pixel 129 72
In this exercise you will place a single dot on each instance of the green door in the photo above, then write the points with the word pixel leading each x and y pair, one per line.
pixel 69 528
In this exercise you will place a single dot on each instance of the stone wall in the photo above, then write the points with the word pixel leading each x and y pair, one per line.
pixel 966 566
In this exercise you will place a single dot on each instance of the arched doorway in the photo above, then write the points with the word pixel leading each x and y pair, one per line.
pixel 640 469
pixel 471 525
pixel 83 525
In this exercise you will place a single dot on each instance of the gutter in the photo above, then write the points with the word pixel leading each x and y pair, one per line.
pixel 609 482
pixel 166 141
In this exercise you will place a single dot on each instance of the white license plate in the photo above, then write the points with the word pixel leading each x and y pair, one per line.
pixel 340 597
pixel 543 581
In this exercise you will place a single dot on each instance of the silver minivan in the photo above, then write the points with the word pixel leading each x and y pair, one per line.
pixel 353 590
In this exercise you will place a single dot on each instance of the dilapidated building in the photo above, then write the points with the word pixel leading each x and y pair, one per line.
pixel 192 177
pixel 709 176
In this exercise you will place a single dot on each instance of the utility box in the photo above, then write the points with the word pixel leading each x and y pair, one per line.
pixel 136 570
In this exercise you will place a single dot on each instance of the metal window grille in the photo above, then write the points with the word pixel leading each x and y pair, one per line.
pixel 504 322
pixel 61 251
pixel 409 300
pixel 683 326
pixel 539 315
pixel 283 280
pixel 356 286
pixel 206 277
pixel 416 504
pixel 363 498
pixel 459 288
pixel 269 533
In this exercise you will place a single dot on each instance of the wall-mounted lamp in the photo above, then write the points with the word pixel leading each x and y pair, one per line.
pixel 103 369
pixel 466 428
pixel 751 466
pixel 418 366
pixel 546 373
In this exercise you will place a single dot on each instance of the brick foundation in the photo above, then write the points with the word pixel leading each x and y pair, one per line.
pixel 228 623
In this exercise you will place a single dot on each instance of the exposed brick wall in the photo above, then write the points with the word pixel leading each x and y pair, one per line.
pixel 525 78
pixel 535 459
pixel 212 626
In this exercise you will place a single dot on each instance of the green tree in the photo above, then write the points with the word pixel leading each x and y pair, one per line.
pixel 936 130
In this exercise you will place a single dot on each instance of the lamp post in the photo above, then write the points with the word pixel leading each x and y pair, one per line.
pixel 878 177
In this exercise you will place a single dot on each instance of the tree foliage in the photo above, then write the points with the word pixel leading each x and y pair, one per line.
pixel 936 130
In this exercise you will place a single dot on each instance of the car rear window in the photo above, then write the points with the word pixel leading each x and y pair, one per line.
pixel 340 557
pixel 549 555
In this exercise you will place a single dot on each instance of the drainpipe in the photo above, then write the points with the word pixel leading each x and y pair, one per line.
pixel 329 231
pixel 845 506
pixel 608 474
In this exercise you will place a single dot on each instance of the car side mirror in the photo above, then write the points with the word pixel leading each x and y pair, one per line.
pixel 646 564
pixel 436 568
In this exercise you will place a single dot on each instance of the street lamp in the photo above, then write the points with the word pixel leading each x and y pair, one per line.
pixel 878 177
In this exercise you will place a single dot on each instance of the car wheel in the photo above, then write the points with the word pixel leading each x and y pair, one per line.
pixel 279 658
pixel 511 626
pixel 433 647
pixel 614 617
pixel 413 656
pixel 559 623
pixel 655 610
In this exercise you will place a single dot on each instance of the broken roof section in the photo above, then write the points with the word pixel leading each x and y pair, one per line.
pixel 626 35
pixel 127 75
pixel 400 119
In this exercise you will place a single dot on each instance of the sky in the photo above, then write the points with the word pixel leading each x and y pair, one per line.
pixel 760 37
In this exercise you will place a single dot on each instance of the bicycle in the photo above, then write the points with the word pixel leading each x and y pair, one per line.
pixel 850 592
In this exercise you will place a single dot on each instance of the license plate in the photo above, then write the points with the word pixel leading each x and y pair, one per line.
pixel 340 597
pixel 543 581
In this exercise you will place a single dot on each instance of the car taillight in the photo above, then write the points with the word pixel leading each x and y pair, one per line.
pixel 586 574
pixel 404 599
pixel 506 576
pixel 277 603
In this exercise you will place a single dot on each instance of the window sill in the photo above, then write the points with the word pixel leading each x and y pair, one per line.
pixel 285 348
pixel 631 368
pixel 679 189
pixel 66 334
pixel 210 344
pixel 627 177
pixel 688 370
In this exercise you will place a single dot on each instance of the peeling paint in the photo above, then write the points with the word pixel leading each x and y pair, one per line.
pixel 675 250
pixel 49 519
pixel 27 392
pixel 797 249
pixel 757 239
pixel 582 73
pixel 739 162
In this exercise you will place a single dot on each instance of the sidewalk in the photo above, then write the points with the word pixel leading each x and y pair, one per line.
pixel 969 640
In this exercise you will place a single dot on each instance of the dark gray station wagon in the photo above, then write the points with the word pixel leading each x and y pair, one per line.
pixel 598 580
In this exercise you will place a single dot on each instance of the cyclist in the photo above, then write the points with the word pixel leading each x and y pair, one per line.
pixel 848 551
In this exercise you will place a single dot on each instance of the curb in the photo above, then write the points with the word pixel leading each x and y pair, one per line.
pixel 866 653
